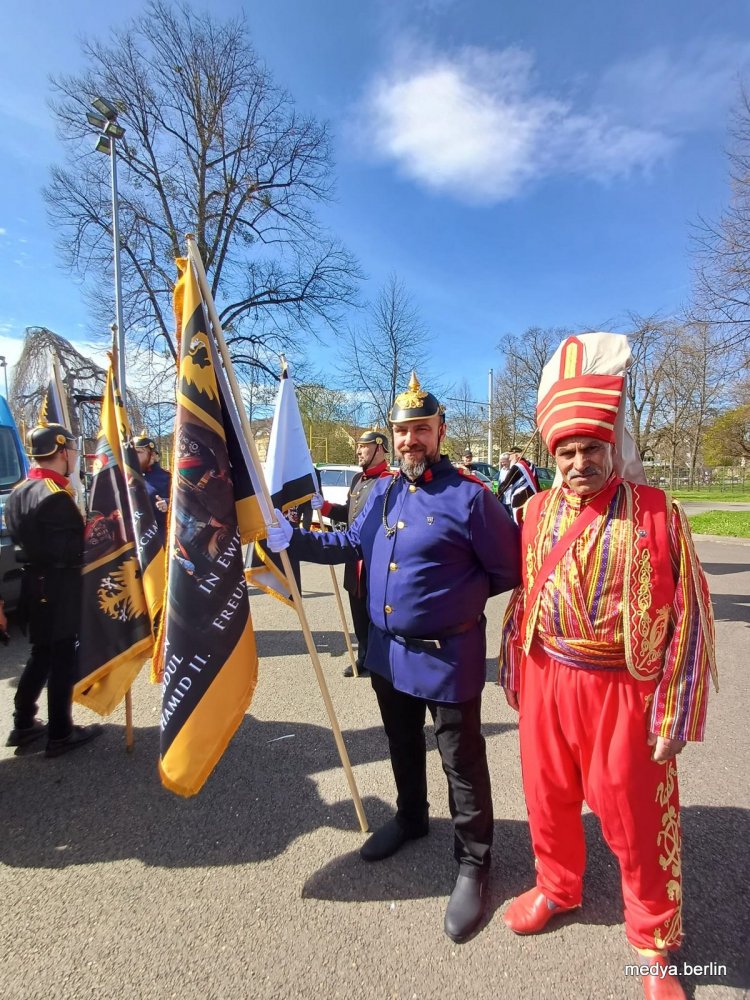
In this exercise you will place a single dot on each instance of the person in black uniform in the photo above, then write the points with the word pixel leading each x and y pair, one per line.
pixel 372 458
pixel 436 545
pixel 158 480
pixel 47 528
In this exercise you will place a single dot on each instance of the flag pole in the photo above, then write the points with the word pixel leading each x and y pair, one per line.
pixel 342 613
pixel 129 737
pixel 344 623
pixel 264 500
pixel 129 741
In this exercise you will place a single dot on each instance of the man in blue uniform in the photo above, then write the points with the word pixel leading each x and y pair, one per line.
pixel 47 527
pixel 436 545
pixel 372 452
pixel 158 481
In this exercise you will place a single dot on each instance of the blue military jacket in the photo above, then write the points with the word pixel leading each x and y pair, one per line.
pixel 453 547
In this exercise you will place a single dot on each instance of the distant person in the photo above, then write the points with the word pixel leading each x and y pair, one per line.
pixel 372 458
pixel 504 467
pixel 519 484
pixel 158 480
pixel 47 527
pixel 467 460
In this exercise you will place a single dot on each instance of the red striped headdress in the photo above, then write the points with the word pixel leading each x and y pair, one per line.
pixel 582 387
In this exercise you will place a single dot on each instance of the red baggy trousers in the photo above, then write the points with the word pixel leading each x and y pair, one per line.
pixel 584 738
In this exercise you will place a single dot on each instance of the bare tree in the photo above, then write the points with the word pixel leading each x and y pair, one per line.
pixel 80 376
pixel 722 268
pixel 652 340
pixel 466 420
pixel 504 413
pixel 525 356
pixel 212 146
pixel 325 416
pixel 378 357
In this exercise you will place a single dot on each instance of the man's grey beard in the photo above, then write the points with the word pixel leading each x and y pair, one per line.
pixel 414 469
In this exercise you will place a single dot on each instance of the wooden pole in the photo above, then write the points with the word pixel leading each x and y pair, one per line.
pixel 129 741
pixel 342 613
pixel 264 501
pixel 344 623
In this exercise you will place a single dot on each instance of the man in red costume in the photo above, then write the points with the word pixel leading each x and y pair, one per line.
pixel 606 654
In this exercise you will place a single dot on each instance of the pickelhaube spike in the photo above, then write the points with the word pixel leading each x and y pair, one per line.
pixel 415 404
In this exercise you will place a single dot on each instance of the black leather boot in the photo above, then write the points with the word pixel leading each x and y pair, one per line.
pixel 466 906
pixel 388 839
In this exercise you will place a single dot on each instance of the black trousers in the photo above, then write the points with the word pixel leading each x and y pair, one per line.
pixel 53 664
pixel 361 621
pixel 464 758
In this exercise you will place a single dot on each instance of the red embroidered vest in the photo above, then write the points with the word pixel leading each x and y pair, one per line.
pixel 649 585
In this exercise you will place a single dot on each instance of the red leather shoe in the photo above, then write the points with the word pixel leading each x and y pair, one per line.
pixel 659 984
pixel 530 912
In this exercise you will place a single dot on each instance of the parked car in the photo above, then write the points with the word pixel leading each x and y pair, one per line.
pixel 491 472
pixel 545 477
pixel 13 468
pixel 335 481
pixel 484 479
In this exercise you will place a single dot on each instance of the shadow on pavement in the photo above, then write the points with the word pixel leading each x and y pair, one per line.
pixel 715 868
pixel 723 569
pixel 716 874
pixel 292 643
pixel 101 804
pixel 731 608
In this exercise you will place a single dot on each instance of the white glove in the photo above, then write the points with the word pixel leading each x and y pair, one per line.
pixel 317 501
pixel 278 537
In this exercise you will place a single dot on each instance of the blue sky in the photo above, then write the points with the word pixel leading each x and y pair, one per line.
pixel 514 163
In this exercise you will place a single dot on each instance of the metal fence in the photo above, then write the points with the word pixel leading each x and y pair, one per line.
pixel 720 479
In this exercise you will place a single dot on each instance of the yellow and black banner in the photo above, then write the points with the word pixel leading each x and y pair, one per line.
pixel 210 666
pixel 115 636
pixel 148 543
pixel 51 411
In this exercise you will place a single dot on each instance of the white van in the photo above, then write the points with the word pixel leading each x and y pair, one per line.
pixel 335 481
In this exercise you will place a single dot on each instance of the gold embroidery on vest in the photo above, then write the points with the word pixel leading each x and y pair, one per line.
pixel 642 637
pixel 530 566
pixel 653 643
pixel 651 632
pixel 669 842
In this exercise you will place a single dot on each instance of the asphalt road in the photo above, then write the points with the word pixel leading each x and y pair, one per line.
pixel 110 886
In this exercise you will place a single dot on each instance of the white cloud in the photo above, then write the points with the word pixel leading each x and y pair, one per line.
pixel 478 125
pixel 677 93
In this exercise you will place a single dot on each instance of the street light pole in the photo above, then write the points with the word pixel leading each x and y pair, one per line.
pixel 489 420
pixel 120 334
pixel 4 364
pixel 105 119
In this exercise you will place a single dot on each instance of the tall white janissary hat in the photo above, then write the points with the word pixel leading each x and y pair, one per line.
pixel 582 392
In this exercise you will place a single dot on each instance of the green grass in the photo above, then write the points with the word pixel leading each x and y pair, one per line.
pixel 720 496
pixel 722 522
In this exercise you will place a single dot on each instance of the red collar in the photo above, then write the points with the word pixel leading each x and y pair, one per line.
pixel 56 477
pixel 376 470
